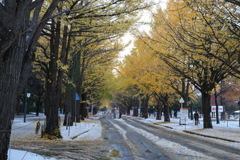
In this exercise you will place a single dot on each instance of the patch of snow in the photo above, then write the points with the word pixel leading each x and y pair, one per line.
pixel 91 129
pixel 24 155
pixel 170 146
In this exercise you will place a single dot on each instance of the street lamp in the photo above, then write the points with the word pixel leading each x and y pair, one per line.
pixel 239 115
pixel 239 112
pixel 25 106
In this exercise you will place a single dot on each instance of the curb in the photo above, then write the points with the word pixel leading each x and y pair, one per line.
pixel 224 139
pixel 190 132
pixel 166 126
pixel 74 137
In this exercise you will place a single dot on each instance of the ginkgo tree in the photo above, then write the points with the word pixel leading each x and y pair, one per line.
pixel 98 74
pixel 75 36
pixel 183 39
pixel 151 76
pixel 125 96
pixel 224 17
pixel 21 24
pixel 103 22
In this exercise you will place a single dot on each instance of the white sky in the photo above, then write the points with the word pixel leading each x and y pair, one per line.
pixel 91 129
pixel 145 18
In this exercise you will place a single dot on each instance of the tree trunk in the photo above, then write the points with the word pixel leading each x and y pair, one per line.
pixel 135 111
pixel 166 113
pixel 69 99
pixel 78 82
pixel 145 106
pixel 207 122
pixel 38 104
pixel 159 110
pixel 10 87
pixel 8 100
pixel 16 53
pixel 83 110
pixel 52 130
pixel 185 92
pixel 18 105
pixel 164 100
pixel 216 103
pixel 128 110
pixel 191 110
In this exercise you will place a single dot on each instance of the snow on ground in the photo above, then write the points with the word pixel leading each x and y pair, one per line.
pixel 86 130
pixel 174 147
pixel 226 129
pixel 91 129
pixel 24 155
pixel 229 130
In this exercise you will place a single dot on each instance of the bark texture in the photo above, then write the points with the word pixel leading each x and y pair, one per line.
pixel 207 122
pixel 17 43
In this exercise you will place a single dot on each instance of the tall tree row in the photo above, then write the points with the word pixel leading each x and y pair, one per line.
pixel 21 25
pixel 151 76
pixel 185 37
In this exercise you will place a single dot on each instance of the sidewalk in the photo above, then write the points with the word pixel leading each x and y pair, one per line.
pixel 26 131
pixel 228 131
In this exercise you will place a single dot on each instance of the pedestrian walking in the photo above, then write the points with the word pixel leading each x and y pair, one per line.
pixel 196 117
pixel 120 115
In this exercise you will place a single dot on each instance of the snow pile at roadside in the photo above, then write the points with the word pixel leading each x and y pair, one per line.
pixel 25 155
pixel 91 129
pixel 165 144
pixel 85 130
pixel 226 129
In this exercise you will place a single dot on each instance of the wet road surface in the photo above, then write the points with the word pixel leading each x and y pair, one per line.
pixel 128 139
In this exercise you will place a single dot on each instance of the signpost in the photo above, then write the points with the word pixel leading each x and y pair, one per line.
pixel 183 113
pixel 92 110
pixel 184 116
pixel 87 107
pixel 131 112
pixel 117 112
pixel 214 110
pixel 220 108
pixel 77 98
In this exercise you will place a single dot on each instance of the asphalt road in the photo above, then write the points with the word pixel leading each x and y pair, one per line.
pixel 133 140
pixel 128 139
pixel 129 144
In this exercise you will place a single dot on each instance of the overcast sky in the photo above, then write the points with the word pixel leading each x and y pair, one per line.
pixel 145 17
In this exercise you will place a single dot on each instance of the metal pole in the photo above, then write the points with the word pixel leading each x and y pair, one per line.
pixel 69 124
pixel 181 114
pixel 25 102
pixel 185 122
pixel 92 110
pixel 75 114
pixel 25 108
pixel 191 110
pixel 239 115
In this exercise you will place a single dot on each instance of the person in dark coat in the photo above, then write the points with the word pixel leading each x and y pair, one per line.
pixel 196 117
pixel 120 115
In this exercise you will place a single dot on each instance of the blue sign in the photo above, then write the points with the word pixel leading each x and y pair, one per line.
pixel 77 97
